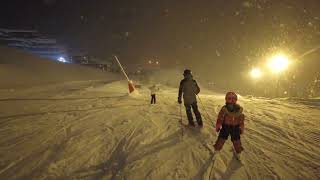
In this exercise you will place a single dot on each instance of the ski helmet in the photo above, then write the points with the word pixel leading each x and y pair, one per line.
pixel 186 72
pixel 231 97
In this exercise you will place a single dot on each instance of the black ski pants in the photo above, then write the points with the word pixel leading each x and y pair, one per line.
pixel 153 98
pixel 196 112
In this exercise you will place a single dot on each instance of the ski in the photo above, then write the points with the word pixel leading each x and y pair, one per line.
pixel 237 157
pixel 213 156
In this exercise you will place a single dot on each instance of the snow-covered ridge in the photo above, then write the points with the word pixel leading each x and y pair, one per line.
pixel 20 69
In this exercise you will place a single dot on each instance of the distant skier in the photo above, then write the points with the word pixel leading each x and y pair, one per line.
pixel 153 90
pixel 230 122
pixel 189 89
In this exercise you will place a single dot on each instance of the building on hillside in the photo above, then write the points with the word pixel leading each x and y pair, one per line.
pixel 91 61
pixel 33 42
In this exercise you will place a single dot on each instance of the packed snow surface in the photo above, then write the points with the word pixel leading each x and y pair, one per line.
pixel 63 121
pixel 95 130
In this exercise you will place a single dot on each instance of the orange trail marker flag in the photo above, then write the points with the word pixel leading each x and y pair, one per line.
pixel 130 83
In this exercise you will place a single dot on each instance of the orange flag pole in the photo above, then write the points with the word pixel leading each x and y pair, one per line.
pixel 130 83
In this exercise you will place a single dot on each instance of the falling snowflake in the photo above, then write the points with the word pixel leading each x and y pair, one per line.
pixel 247 4
pixel 166 12
pixel 259 6
pixel 218 53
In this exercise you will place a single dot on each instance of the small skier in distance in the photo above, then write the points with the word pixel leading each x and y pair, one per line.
pixel 230 122
pixel 153 90
pixel 189 89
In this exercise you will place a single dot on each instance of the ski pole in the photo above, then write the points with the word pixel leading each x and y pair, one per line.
pixel 181 121
pixel 210 174
pixel 208 117
pixel 213 124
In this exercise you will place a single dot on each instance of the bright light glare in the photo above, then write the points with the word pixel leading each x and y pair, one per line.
pixel 278 63
pixel 256 73
pixel 61 59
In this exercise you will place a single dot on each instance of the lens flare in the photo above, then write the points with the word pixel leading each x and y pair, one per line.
pixel 62 59
pixel 256 73
pixel 278 63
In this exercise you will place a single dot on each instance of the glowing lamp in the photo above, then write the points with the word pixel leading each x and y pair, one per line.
pixel 255 73
pixel 278 63
pixel 61 59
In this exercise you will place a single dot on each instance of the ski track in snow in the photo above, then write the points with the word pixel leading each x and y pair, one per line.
pixel 95 130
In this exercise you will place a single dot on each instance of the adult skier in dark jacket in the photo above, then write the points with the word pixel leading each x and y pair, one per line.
pixel 189 90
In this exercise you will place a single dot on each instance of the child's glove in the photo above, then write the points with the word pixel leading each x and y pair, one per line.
pixel 218 127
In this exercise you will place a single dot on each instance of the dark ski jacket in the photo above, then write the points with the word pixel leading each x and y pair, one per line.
pixel 188 89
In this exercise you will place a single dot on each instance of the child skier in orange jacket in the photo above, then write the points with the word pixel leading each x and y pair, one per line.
pixel 230 122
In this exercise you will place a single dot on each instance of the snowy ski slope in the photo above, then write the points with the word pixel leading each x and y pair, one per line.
pixel 95 130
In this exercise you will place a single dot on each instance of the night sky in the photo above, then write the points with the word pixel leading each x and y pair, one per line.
pixel 209 35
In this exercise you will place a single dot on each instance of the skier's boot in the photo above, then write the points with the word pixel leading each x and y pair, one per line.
pixel 215 154
pixel 199 122
pixel 191 124
pixel 238 156
pixel 237 148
